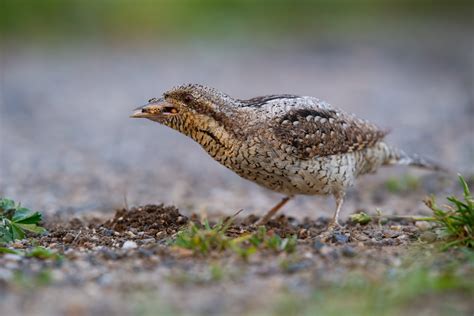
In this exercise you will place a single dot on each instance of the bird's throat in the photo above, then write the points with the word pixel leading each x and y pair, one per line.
pixel 210 134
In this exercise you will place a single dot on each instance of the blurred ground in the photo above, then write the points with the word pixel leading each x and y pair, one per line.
pixel 125 266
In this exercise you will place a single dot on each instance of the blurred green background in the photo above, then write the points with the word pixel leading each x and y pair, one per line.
pixel 51 21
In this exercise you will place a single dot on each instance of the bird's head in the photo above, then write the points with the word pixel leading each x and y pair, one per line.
pixel 190 102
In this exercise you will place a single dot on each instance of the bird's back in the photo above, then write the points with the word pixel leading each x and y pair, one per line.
pixel 306 127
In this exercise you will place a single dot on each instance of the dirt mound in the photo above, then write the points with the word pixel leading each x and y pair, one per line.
pixel 143 224
pixel 150 219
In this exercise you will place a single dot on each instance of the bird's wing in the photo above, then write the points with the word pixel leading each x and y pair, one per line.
pixel 265 100
pixel 308 132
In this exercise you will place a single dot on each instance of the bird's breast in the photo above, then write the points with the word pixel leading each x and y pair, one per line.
pixel 276 170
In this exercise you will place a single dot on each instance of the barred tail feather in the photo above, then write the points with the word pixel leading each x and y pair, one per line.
pixel 399 157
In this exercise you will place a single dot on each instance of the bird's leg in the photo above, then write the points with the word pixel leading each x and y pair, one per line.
pixel 270 213
pixel 339 197
pixel 334 224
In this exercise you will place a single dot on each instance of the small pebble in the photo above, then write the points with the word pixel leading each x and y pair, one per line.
pixel 181 220
pixel 108 232
pixel 361 237
pixel 129 245
pixel 149 240
pixel 340 238
pixel 391 233
pixel 423 225
pixel 378 235
pixel 402 237
pixel 410 229
pixel 428 236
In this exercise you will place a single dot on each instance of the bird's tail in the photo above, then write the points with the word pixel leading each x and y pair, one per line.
pixel 399 157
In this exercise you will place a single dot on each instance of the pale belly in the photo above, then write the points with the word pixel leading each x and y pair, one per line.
pixel 291 176
pixel 323 175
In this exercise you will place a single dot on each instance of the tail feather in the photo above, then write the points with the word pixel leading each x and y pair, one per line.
pixel 399 157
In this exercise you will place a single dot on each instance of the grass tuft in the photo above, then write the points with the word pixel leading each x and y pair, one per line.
pixel 456 221
pixel 205 239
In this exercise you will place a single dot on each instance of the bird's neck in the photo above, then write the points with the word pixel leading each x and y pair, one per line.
pixel 216 134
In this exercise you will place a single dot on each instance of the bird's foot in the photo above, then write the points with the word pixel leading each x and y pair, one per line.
pixel 334 225
pixel 334 233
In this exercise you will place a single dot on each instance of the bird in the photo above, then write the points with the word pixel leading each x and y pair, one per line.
pixel 290 144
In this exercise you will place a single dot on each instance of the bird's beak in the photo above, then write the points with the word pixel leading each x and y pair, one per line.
pixel 155 108
pixel 140 112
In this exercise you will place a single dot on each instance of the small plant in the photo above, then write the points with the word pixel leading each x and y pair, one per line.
pixel 35 252
pixel 361 218
pixel 456 220
pixel 43 253
pixel 16 220
pixel 270 240
pixel 205 239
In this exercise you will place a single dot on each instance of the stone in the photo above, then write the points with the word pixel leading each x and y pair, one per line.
pixel 129 244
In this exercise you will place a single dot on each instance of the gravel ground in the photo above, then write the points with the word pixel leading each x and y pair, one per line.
pixel 124 265
pixel 129 255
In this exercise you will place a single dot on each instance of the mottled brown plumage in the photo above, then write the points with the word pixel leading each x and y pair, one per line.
pixel 287 143
pixel 325 132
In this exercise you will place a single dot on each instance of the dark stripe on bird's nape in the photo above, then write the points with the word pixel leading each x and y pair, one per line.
pixel 261 101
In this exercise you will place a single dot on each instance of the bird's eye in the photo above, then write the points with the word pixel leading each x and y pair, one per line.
pixel 188 98
pixel 170 109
